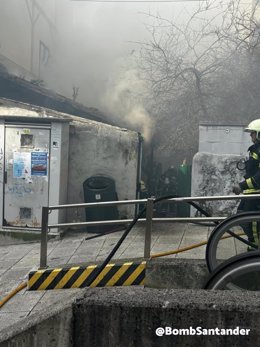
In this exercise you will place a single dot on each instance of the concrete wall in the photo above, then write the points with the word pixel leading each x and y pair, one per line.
pixel 129 316
pixel 223 139
pixel 97 148
pixel 53 328
pixel 176 273
pixel 215 174
pixel 214 169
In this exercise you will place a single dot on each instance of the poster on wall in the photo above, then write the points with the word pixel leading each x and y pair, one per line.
pixel 21 164
pixel 39 161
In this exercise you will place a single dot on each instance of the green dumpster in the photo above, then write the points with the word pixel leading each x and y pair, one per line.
pixel 100 188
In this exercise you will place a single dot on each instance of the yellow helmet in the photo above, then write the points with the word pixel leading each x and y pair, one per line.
pixel 254 126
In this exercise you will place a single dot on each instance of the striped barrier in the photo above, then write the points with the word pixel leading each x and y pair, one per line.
pixel 127 274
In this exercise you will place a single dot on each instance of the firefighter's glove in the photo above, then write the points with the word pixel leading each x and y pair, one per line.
pixel 236 190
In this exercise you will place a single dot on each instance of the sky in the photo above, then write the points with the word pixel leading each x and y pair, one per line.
pixel 95 49
pixel 100 58
pixel 104 39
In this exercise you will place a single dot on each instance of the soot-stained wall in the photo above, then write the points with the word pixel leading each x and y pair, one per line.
pixel 216 174
pixel 101 149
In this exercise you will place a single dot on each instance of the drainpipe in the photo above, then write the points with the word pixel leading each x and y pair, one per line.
pixel 139 170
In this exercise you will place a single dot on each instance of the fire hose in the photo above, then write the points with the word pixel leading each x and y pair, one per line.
pixel 128 229
pixel 134 221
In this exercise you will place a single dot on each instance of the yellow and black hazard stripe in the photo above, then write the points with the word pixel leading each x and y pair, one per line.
pixel 127 274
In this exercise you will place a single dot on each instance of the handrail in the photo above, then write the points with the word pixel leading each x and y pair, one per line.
pixel 179 199
pixel 149 219
pixel 125 221
pixel 102 203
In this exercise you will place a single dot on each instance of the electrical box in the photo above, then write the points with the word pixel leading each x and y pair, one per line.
pixel 33 171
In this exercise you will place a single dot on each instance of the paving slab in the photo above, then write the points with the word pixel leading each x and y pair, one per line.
pixel 22 303
pixel 18 259
pixel 52 297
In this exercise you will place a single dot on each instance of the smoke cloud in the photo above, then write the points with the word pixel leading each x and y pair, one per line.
pixel 96 53
pixel 124 101
pixel 87 47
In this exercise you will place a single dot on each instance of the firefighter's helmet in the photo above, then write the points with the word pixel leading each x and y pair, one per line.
pixel 254 126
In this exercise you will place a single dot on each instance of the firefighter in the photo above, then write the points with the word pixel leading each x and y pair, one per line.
pixel 251 183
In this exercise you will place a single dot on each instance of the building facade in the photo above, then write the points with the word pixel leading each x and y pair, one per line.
pixel 46 156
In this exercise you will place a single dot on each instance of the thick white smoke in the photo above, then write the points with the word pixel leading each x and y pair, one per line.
pixel 124 98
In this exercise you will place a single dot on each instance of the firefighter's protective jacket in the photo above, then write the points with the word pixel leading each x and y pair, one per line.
pixel 251 184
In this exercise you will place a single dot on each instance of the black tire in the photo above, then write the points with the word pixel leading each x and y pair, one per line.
pixel 241 272
pixel 225 227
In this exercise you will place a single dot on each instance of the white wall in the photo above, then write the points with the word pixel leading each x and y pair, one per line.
pixel 97 148
pixel 214 170
pixel 94 148
pixel 223 139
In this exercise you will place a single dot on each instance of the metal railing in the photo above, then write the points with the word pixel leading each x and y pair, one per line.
pixel 148 220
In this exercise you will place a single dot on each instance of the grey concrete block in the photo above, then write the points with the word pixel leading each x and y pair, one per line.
pixel 176 273
pixel 130 316
pixel 52 326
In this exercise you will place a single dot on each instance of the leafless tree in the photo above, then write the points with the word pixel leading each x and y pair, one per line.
pixel 204 69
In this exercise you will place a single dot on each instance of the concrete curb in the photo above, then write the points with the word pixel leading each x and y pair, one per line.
pixel 35 329
pixel 129 316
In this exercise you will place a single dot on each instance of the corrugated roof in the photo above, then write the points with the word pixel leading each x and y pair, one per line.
pixel 19 90
pixel 15 111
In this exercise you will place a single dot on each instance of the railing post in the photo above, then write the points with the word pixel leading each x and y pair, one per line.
pixel 148 227
pixel 44 238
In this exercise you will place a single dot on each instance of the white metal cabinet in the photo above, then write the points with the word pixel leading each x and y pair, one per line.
pixel 26 179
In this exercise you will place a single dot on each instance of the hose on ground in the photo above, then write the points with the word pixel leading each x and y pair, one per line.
pixel 12 293
pixel 126 232
pixel 196 245
pixel 131 225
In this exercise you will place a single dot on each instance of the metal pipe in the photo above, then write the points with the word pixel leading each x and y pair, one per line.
pixel 148 220
pixel 148 228
pixel 141 201
pixel 93 204
pixel 44 238
pixel 212 198
pixel 139 171
pixel 142 220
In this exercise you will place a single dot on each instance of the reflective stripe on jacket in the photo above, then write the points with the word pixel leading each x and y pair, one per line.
pixel 251 184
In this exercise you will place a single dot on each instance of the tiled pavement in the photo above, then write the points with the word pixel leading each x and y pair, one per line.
pixel 18 259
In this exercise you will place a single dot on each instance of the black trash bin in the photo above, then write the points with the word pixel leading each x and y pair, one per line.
pixel 98 189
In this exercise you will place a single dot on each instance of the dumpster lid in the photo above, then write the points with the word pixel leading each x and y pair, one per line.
pixel 98 182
